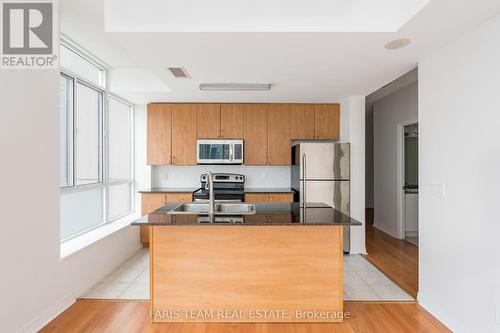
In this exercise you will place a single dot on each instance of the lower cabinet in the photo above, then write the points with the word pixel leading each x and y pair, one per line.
pixel 269 197
pixel 152 201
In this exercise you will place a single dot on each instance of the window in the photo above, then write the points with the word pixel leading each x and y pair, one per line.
pixel 66 131
pixel 77 63
pixel 96 148
pixel 120 170
pixel 88 135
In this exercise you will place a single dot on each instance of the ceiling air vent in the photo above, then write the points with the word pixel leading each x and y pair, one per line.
pixel 179 72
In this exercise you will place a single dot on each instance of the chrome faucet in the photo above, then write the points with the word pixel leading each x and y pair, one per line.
pixel 211 203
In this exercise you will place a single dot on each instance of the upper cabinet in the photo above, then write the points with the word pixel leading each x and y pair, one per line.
pixel 303 121
pixel 231 121
pixel 255 134
pixel 208 121
pixel 268 129
pixel 327 121
pixel 159 135
pixel 316 121
pixel 184 128
pixel 220 121
pixel 279 134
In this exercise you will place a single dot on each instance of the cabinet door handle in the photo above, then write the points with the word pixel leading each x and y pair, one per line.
pixel 270 198
pixel 173 159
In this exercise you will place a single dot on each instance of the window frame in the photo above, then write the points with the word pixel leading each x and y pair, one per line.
pixel 103 182
pixel 70 145
pixel 131 179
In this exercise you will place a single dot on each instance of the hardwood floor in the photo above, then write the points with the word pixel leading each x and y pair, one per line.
pixel 125 317
pixel 398 259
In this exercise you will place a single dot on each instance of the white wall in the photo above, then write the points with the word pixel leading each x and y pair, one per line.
pixel 459 118
pixel 35 283
pixel 142 170
pixel 388 112
pixel 369 159
pixel 353 131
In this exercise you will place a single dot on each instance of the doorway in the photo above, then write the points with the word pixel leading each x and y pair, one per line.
pixel 410 187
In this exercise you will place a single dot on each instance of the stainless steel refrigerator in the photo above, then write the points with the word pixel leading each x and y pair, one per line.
pixel 320 173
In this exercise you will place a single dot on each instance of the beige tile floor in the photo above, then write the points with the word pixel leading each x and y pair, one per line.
pixel 362 281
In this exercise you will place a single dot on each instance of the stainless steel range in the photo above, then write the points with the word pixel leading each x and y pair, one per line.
pixel 228 187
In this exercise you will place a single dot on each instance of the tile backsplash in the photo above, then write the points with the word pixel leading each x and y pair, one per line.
pixel 189 176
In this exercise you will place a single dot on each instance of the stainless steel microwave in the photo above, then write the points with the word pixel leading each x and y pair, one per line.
pixel 219 151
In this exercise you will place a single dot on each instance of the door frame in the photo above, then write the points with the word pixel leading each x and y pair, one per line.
pixel 401 174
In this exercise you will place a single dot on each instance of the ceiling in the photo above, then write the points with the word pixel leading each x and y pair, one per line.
pixel 302 66
pixel 259 15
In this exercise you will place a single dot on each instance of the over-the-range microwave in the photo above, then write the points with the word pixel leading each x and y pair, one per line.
pixel 215 151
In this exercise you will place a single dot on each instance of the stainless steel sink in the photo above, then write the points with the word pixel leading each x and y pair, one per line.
pixel 220 209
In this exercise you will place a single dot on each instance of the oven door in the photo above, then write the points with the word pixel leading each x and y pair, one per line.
pixel 219 152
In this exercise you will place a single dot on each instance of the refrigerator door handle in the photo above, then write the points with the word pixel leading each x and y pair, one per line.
pixel 304 162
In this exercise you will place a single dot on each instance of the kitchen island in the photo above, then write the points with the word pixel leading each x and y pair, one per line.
pixel 282 264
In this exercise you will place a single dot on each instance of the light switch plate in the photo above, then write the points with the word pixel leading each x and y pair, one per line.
pixel 437 189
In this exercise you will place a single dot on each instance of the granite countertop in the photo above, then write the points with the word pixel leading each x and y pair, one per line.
pixel 169 189
pixel 268 190
pixel 268 214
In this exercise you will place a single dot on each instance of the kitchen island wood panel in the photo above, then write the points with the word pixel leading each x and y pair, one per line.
pixel 224 273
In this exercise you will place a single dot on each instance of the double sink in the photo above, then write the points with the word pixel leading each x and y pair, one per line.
pixel 219 209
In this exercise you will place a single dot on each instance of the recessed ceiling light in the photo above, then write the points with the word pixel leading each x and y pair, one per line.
pixel 235 86
pixel 397 44
pixel 179 72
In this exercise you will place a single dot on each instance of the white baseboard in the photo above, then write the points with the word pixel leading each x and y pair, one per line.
pixel 39 322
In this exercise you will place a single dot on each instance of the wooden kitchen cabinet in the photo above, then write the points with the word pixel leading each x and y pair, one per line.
pixel 255 134
pixel 267 129
pixel 153 201
pixel 303 121
pixel 327 121
pixel 269 197
pixel 179 197
pixel 184 132
pixel 209 121
pixel 149 203
pixel 279 141
pixel 316 121
pixel 159 134
pixel 231 121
